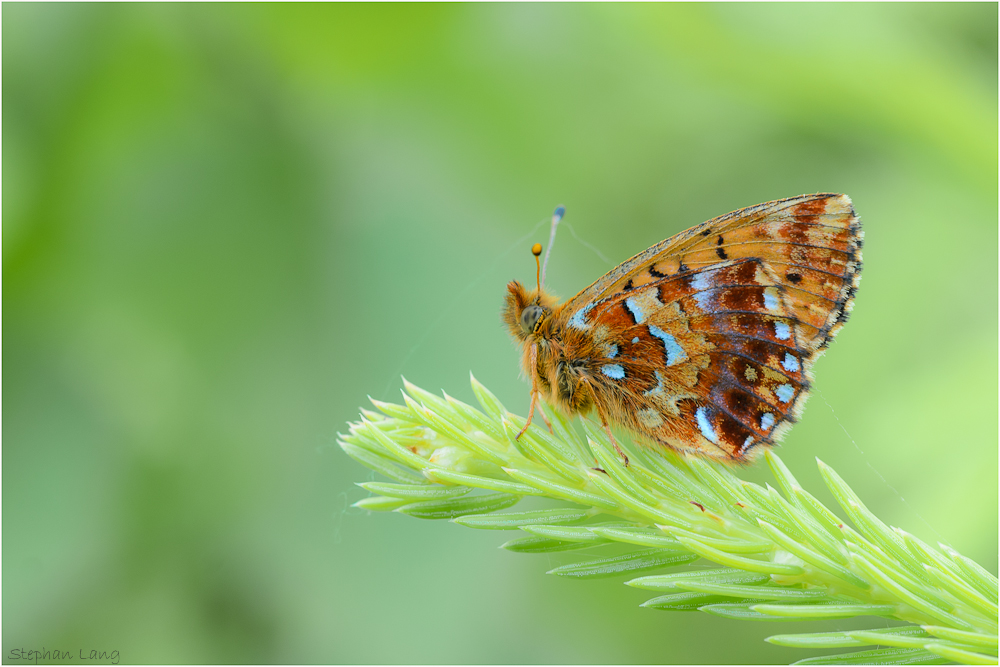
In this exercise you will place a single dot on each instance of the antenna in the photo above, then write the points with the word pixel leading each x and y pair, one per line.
pixel 536 250
pixel 557 215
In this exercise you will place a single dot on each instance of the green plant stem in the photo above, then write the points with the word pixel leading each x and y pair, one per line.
pixel 795 558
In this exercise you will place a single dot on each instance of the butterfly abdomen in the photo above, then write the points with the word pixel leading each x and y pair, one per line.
pixel 574 382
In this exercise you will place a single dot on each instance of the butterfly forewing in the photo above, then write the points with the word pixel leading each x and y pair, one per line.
pixel 812 243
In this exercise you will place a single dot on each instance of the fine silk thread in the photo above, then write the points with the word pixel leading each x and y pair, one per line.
pixel 880 476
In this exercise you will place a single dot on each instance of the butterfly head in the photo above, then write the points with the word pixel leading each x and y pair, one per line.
pixel 527 314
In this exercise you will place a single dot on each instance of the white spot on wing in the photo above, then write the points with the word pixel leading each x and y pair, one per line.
pixel 782 331
pixel 613 371
pixel 675 353
pixel 635 340
pixel 790 364
pixel 705 300
pixel 650 418
pixel 785 392
pixel 634 308
pixel 701 281
pixel 747 442
pixel 766 421
pixel 706 426
pixel 578 321
pixel 771 298
pixel 643 304
pixel 612 351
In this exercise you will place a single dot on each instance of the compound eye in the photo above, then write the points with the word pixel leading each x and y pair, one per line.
pixel 530 317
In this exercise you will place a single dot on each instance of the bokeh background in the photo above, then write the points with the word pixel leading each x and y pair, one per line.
pixel 225 225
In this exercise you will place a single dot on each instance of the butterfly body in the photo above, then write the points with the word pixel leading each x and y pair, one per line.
pixel 703 342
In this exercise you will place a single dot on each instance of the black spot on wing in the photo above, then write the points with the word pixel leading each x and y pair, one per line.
pixel 718 249
pixel 628 311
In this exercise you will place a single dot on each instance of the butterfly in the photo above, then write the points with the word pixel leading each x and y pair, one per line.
pixel 704 342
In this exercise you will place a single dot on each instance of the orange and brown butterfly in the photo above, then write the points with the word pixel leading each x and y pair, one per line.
pixel 704 342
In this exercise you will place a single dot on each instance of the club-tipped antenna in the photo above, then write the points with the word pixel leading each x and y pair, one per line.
pixel 557 215
pixel 536 250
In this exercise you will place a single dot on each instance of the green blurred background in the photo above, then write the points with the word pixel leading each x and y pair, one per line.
pixel 225 225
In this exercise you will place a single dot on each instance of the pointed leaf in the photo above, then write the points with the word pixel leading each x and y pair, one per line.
pixel 480 482
pixel 763 592
pixel 742 612
pixel 609 488
pixel 534 544
pixel 838 639
pixel 515 520
pixel 380 503
pixel 454 507
pixel 682 601
pixel 491 405
pixel 558 490
pixel 987 641
pixel 665 582
pixel 431 401
pixel 729 546
pixel 961 656
pixel 381 464
pixel 815 640
pixel 415 491
pixel 637 561
pixel 731 560
pixel 813 558
pixel 566 533
pixel 817 611
pixel 646 537
pixel 885 656
pixel 916 638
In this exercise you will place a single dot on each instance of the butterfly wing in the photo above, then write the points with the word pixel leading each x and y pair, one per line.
pixel 812 242
pixel 708 337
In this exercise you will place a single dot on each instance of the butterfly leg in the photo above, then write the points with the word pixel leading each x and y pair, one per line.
pixel 546 420
pixel 607 429
pixel 531 412
pixel 534 396
pixel 531 415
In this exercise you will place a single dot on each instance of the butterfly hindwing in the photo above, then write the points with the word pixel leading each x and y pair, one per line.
pixel 705 359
